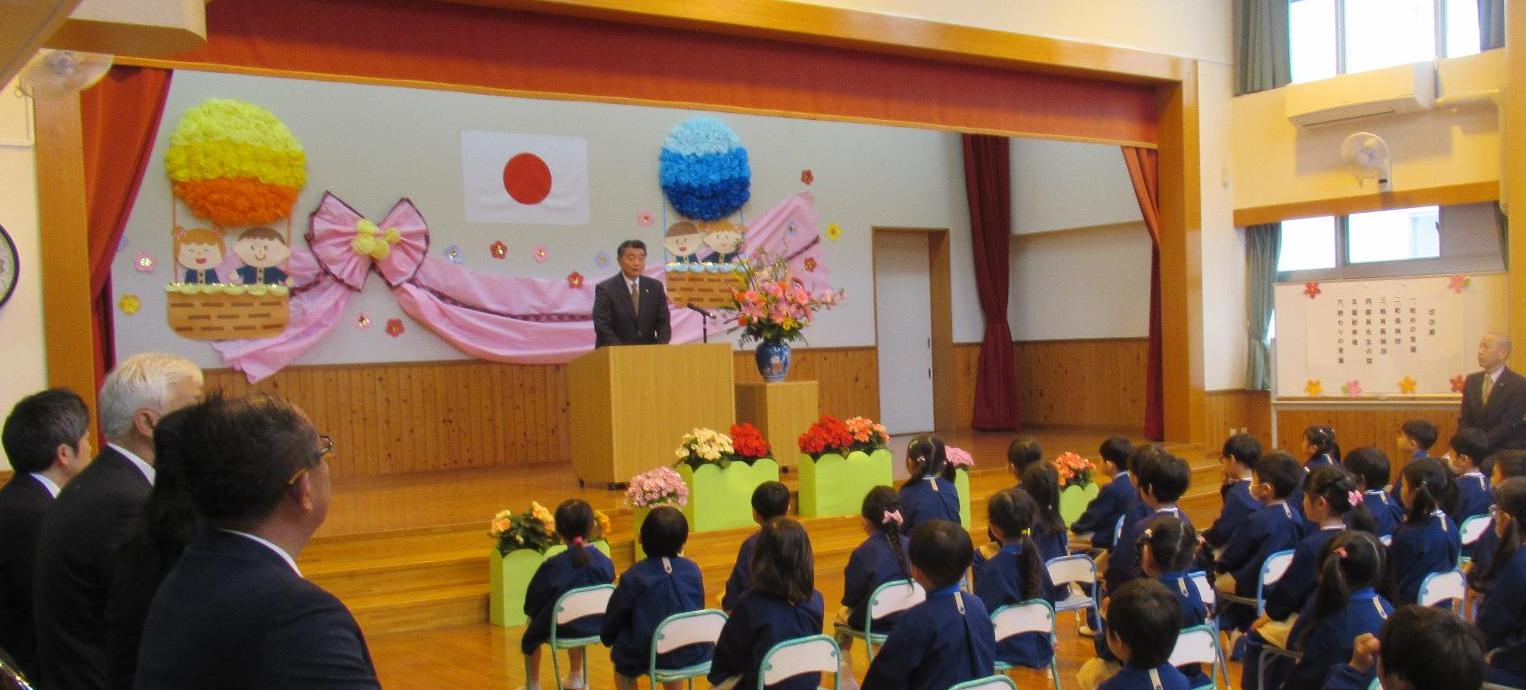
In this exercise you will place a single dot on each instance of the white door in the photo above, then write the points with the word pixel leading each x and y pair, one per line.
pixel 903 319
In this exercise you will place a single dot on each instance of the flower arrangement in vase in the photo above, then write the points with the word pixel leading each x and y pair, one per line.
pixel 534 528
pixel 843 460
pixel 721 473
pixel 701 446
pixel 868 436
pixel 656 487
pixel 773 307
pixel 1077 488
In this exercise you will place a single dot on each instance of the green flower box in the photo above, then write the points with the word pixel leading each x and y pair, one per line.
pixel 509 577
pixel 722 498
pixel 1073 500
pixel 962 484
pixel 835 485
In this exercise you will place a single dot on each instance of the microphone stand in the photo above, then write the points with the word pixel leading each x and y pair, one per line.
pixel 704 327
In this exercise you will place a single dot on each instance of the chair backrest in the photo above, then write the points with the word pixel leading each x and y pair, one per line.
pixel 987 683
pixel 1204 588
pixel 1275 566
pixel 894 597
pixel 1195 645
pixel 583 602
pixel 1074 568
pixel 1117 531
pixel 1474 527
pixel 1034 615
pixel 790 658
pixel 1387 539
pixel 689 627
pixel 1443 586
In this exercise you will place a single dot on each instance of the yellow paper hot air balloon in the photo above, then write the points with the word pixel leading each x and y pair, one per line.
pixel 235 164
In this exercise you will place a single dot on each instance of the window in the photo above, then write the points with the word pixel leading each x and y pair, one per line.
pixel 1329 242
pixel 1331 37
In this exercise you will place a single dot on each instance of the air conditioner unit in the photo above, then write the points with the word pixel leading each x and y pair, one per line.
pixel 1401 89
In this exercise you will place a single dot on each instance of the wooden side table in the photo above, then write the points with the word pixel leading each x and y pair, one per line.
pixel 782 411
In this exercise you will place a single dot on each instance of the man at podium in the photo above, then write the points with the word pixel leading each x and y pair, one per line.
pixel 629 308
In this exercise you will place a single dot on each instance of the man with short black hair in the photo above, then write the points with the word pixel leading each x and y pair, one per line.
pixel 630 308
pixel 235 612
pixel 47 438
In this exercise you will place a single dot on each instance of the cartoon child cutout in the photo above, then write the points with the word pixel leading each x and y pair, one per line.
pixel 199 250
pixel 682 241
pixel 263 251
pixel 724 239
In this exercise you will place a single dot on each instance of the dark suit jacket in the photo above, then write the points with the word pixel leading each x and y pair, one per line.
pixel 615 324
pixel 1500 420
pixel 23 502
pixel 76 555
pixel 232 614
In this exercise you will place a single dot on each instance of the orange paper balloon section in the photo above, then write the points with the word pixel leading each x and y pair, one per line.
pixel 232 202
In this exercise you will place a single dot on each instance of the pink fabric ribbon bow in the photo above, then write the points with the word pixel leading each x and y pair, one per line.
pixel 891 516
pixel 1355 498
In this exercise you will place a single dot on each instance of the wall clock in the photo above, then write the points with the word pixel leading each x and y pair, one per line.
pixel 8 266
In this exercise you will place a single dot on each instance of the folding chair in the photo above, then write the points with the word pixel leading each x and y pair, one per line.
pixel 1387 539
pixel 575 604
pixel 1471 529
pixel 1075 569
pixel 1117 531
pixel 1199 644
pixel 790 658
pixel 987 683
pixel 1272 570
pixel 1268 654
pixel 1448 585
pixel 1034 615
pixel 890 598
pixel 681 630
pixel 1205 590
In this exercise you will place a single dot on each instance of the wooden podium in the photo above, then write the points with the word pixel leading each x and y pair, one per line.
pixel 630 405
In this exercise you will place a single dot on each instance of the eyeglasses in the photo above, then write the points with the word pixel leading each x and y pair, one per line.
pixel 325 446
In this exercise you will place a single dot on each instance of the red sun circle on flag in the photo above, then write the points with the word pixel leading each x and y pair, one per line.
pixel 527 178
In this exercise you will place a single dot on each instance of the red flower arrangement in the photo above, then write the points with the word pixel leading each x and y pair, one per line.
pixel 748 443
pixel 827 435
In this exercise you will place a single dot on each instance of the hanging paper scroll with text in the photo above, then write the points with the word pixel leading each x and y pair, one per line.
pixel 1384 337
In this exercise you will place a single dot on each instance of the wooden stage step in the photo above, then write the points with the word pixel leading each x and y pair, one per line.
pixel 437 576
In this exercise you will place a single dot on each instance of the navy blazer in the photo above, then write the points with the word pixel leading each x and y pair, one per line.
pixel 1297 585
pixel 928 498
pixel 76 562
pixel 741 573
pixel 1103 512
pixel 998 583
pixel 1328 645
pixel 1502 616
pixel 23 502
pixel 650 591
pixel 759 622
pixel 614 323
pixel 1123 561
pixel 1270 529
pixel 1238 507
pixel 1473 497
pixel 233 614
pixel 1500 419
pixel 945 640
pixel 1417 550
pixel 1386 512
pixel 872 564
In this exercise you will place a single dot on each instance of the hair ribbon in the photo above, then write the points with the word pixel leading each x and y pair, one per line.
pixel 1354 497
pixel 1341 553
pixel 891 516
pixel 577 541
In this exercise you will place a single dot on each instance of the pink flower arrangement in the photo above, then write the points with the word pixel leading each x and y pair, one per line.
pixel 661 486
pixel 868 436
pixel 959 458
pixel 773 305
pixel 1074 469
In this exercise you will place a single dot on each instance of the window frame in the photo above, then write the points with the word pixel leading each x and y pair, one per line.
pixel 1434 265
pixel 1438 23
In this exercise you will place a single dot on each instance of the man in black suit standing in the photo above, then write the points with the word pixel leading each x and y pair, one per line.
pixel 629 308
pixel 77 549
pixel 47 438
pixel 1494 400
pixel 235 612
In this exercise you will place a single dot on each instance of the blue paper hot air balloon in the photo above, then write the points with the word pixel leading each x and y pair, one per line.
pixel 703 169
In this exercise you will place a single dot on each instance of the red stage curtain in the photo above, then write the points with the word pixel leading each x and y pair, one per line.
pixel 120 120
pixel 987 183
pixel 1145 173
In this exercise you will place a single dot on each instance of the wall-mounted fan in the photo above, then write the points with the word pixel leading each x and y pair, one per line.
pixel 1366 155
pixel 54 73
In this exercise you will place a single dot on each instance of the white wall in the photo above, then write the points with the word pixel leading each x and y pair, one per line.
pixel 1091 283
pixel 1061 185
pixel 1223 245
pixel 21 338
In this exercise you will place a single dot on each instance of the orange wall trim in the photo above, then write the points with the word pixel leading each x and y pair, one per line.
pixel 1466 193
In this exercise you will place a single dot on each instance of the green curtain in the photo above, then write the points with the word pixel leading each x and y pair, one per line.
pixel 1491 24
pixel 1504 227
pixel 1262 245
pixel 1261 45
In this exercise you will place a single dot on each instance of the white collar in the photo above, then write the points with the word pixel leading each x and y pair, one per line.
pixel 46 483
pixel 1474 473
pixel 1329 528
pixel 145 468
pixel 267 544
pixel 1168 509
pixel 1494 374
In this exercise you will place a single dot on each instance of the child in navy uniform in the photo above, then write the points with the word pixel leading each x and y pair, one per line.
pixel 1416 437
pixel 1508 464
pixel 1113 500
pixel 658 586
pixel 1427 542
pixel 1370 467
pixel 1272 528
pixel 1022 453
pixel 1348 604
pixel 1042 482
pixel 1143 621
pixel 1469 449
pixel 1332 504
pixel 1502 614
pixel 1014 574
pixel 1418 648
pixel 1319 443
pixel 1239 457
pixel 581 565
pixel 769 500
pixel 781 603
pixel 1162 479
pixel 881 558
pixel 929 492
pixel 947 639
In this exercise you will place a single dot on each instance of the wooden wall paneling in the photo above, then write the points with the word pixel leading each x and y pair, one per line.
pixel 966 364
pixel 1082 383
pixel 1363 426
pixel 1234 409
pixel 940 286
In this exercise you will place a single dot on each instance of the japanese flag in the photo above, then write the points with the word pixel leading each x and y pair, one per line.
pixel 524 178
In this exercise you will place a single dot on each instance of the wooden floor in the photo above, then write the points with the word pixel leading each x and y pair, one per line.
pixel 409 555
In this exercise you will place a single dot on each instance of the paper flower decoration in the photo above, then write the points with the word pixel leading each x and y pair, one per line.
pixel 810 264
pixel 834 231
pixel 807 177
pixel 499 250
pixel 145 262
pixel 362 322
pixel 601 260
pixel 235 163
pixel 1311 289
pixel 575 280
pixel 541 255
pixel 1352 388
pixel 1458 382
pixel 703 169
pixel 1458 283
pixel 644 219
pixel 1407 386
pixel 453 254
pixel 129 304
pixel 1313 388
pixel 394 327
